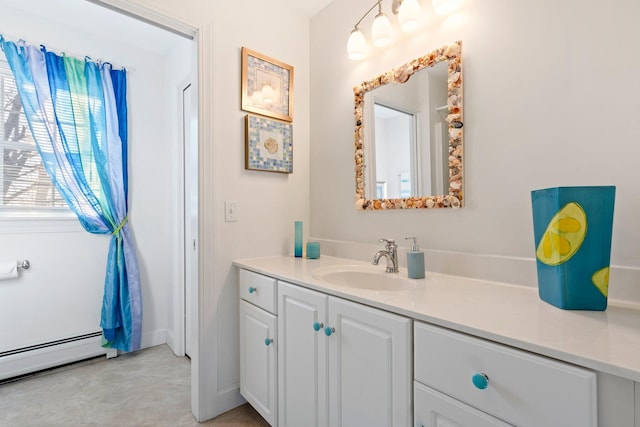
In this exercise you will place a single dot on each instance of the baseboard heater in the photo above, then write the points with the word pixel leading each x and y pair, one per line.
pixel 47 355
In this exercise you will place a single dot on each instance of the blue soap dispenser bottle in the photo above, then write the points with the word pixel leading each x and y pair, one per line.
pixel 415 260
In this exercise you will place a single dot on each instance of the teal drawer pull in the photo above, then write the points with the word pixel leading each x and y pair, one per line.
pixel 481 381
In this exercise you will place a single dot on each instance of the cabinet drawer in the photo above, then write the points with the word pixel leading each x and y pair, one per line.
pixel 434 409
pixel 522 389
pixel 258 289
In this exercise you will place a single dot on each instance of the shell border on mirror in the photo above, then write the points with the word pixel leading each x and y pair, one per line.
pixel 455 197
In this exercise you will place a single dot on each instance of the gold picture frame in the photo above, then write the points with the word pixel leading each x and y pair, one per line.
pixel 267 86
pixel 268 144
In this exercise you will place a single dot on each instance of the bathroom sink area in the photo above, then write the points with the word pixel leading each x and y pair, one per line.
pixel 364 277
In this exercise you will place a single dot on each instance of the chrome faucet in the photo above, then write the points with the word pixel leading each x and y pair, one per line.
pixel 391 253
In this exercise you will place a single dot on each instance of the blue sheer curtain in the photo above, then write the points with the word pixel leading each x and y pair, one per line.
pixel 77 113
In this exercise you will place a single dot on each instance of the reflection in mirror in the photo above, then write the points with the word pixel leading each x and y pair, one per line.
pixel 392 173
pixel 407 149
pixel 411 135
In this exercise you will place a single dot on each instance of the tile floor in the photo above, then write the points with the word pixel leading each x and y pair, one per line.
pixel 150 387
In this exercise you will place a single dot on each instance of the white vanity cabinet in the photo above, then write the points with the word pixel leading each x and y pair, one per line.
pixel 258 343
pixel 410 358
pixel 341 364
pixel 369 365
pixel 495 385
pixel 303 383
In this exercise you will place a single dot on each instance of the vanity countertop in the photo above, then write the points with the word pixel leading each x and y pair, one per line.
pixel 606 341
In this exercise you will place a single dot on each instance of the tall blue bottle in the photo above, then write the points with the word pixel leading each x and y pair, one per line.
pixel 297 245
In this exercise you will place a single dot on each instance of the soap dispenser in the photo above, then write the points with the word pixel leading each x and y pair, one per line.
pixel 415 260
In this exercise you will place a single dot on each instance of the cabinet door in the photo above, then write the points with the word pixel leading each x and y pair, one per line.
pixel 258 357
pixel 434 409
pixel 521 388
pixel 370 367
pixel 302 357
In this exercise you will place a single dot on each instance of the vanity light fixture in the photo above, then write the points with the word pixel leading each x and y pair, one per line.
pixel 408 12
pixel 356 45
pixel 381 30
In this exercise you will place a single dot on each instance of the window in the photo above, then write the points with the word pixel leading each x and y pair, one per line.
pixel 24 182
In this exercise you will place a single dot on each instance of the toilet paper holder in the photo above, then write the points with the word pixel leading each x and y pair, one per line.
pixel 24 264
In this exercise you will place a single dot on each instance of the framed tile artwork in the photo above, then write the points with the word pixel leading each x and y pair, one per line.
pixel 267 86
pixel 268 144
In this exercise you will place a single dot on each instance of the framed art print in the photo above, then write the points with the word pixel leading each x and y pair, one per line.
pixel 267 86
pixel 268 144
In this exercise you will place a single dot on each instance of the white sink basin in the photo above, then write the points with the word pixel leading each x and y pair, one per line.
pixel 364 277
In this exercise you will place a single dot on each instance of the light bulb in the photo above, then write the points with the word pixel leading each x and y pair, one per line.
pixel 409 15
pixel 267 94
pixel 357 45
pixel 381 30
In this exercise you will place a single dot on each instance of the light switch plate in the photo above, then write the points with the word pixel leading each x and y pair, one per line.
pixel 230 211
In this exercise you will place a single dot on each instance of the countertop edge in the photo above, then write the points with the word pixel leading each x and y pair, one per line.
pixel 301 276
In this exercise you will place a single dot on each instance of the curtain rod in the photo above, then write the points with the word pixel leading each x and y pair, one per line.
pixel 21 41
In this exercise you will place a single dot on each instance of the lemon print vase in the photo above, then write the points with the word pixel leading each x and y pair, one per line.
pixel 572 229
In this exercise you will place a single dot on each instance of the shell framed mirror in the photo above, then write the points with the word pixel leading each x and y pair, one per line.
pixel 409 135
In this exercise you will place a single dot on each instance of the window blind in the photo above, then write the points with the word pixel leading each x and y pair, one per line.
pixel 23 179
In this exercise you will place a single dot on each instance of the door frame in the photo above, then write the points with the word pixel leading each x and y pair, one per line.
pixel 204 376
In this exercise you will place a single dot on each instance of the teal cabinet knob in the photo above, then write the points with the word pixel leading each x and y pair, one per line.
pixel 328 331
pixel 317 326
pixel 480 380
pixel 252 289
pixel 268 341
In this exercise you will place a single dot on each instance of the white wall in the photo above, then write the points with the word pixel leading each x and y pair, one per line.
pixel 72 260
pixel 67 266
pixel 268 203
pixel 543 90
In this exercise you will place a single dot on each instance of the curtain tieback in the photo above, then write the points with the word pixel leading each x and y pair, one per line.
pixel 124 221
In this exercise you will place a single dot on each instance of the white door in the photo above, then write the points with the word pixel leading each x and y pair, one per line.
pixel 190 160
pixel 258 359
pixel 434 409
pixel 302 357
pixel 370 367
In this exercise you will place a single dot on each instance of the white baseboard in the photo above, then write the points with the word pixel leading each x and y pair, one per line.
pixel 153 338
pixel 171 342
pixel 48 357
pixel 229 398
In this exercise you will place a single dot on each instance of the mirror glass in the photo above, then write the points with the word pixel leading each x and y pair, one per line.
pixel 408 135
